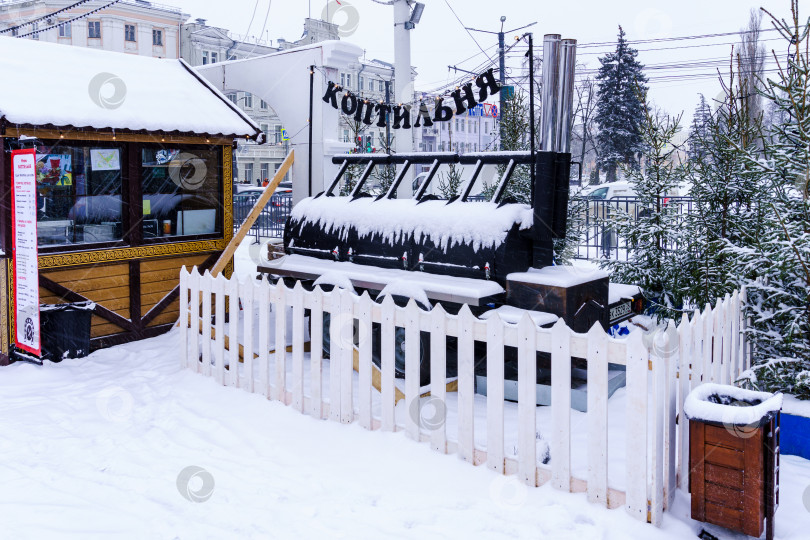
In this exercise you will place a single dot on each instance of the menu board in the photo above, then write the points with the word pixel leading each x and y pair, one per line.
pixel 24 238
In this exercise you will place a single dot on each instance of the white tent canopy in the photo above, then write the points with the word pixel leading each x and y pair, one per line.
pixel 47 84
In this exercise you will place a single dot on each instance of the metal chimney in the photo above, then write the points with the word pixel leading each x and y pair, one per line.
pixel 550 93
pixel 565 96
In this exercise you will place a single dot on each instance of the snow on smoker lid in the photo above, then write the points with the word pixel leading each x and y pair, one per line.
pixel 76 86
pixel 558 276
pixel 729 405
pixel 479 224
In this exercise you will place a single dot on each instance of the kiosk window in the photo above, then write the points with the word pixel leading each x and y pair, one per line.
pixel 78 194
pixel 181 192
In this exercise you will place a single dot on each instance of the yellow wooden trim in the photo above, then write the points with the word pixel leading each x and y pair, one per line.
pixel 128 253
pixel 77 135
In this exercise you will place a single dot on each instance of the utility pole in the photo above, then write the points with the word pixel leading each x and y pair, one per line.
pixel 403 83
pixel 502 66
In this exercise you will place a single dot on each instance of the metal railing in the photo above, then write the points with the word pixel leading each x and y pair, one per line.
pixel 599 238
pixel 270 223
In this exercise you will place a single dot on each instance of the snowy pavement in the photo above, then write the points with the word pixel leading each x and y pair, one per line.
pixel 93 448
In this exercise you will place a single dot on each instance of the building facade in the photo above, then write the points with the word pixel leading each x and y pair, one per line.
pixel 130 26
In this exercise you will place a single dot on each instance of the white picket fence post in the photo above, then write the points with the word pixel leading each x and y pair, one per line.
pixel 709 345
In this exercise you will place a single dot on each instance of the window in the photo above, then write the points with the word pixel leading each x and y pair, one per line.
pixel 34 28
pixel 345 135
pixel 382 86
pixel 94 29
pixel 181 191
pixel 214 58
pixel 265 168
pixel 65 30
pixel 205 58
pixel 279 134
pixel 343 79
pixel 360 82
pixel 348 80
pixel 370 85
pixel 129 32
pixel 248 100
pixel 249 173
pixel 262 104
pixel 232 97
pixel 266 130
pixel 78 193
pixel 157 38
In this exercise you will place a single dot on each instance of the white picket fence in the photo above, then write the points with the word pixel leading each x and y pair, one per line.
pixel 658 366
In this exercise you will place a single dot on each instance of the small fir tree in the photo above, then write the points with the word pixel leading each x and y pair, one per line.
pixel 699 130
pixel 620 108
pixel 653 236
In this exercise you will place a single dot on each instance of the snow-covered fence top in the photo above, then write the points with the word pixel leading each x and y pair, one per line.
pixel 478 224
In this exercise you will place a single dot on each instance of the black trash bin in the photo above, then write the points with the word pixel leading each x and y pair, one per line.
pixel 65 330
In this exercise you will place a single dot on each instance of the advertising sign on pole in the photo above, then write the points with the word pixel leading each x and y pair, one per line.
pixel 24 238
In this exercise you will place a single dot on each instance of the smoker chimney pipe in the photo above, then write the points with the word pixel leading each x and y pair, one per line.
pixel 550 96
pixel 565 96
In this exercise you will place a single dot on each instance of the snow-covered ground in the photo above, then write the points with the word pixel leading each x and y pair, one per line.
pixel 104 447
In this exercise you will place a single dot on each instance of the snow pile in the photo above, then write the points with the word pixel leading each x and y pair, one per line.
pixel 81 87
pixel 619 291
pixel 336 279
pixel 512 315
pixel 729 405
pixel 558 276
pixel 479 224
pixel 407 289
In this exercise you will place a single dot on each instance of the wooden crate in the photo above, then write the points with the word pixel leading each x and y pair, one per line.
pixel 734 475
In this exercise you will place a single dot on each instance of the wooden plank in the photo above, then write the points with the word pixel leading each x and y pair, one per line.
pixel 724 516
pixel 280 358
pixel 316 357
pixel 298 347
pixel 412 361
pixel 166 317
pixel 495 391
pixel 346 351
pixel 205 287
pixel 670 434
pixel 726 457
pixel 466 385
pixel 696 331
pixel 597 415
pixel 561 406
pixel 184 330
pixel 261 202
pixel 233 331
pixel 697 468
pixel 101 295
pixel 725 335
pixel 219 322
pixel 717 342
pixel 720 436
pixel 527 400
pixel 636 411
pixel 172 263
pixel 163 275
pixel 247 295
pixel 438 372
pixel 659 406
pixel 734 321
pixel 194 319
pixel 724 476
pixel 724 496
pixel 334 355
pixel 686 353
pixel 81 273
pixel 134 313
pixel 364 342
pixel 708 344
pixel 265 299
pixel 387 371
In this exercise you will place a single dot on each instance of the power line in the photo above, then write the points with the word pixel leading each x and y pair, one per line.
pixel 465 29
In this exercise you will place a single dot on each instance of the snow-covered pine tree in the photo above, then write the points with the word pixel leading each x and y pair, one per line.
pixel 727 216
pixel 514 129
pixel 653 235
pixel 450 182
pixel 699 130
pixel 780 303
pixel 619 107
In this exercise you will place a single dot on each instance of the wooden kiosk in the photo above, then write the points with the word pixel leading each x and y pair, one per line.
pixel 134 180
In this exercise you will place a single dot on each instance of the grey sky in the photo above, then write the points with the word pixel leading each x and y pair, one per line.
pixel 439 40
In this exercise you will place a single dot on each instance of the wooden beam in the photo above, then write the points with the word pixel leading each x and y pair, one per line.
pixel 100 310
pixel 254 214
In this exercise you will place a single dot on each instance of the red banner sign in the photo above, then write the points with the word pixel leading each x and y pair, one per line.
pixel 24 238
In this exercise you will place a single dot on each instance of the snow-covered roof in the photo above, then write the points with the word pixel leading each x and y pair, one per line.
pixel 47 84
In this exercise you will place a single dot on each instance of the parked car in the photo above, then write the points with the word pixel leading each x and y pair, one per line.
pixel 274 214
